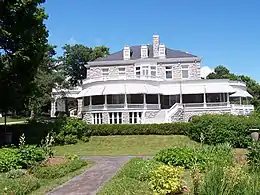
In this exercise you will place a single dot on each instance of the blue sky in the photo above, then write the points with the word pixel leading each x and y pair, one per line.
pixel 221 32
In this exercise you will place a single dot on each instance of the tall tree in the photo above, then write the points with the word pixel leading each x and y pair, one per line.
pixel 48 75
pixel 75 58
pixel 23 44
pixel 253 86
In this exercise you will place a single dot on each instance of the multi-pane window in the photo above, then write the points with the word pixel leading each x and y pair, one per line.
pixel 105 71
pixel 135 117
pixel 115 118
pixel 146 70
pixel 121 71
pixel 168 72
pixel 137 71
pixel 185 71
pixel 153 71
pixel 97 118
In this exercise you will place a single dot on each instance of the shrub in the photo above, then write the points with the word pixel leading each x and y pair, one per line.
pixel 139 129
pixel 57 171
pixel 200 157
pixel 71 131
pixel 223 129
pixel 185 157
pixel 8 159
pixel 30 155
pixel 253 155
pixel 166 180
pixel 140 169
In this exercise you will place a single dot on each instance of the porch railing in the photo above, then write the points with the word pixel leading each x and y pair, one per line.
pixel 121 107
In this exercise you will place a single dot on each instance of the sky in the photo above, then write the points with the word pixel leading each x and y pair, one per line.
pixel 222 32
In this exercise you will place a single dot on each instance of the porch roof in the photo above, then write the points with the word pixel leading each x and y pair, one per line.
pixel 241 93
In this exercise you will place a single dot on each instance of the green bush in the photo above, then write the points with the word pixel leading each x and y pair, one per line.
pixel 57 171
pixel 200 157
pixel 16 173
pixel 166 180
pixel 140 169
pixel 9 159
pixel 253 155
pixel 70 131
pixel 22 185
pixel 223 129
pixel 139 129
pixel 30 155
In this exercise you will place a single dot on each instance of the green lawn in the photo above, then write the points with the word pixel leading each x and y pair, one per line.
pixel 124 145
pixel 11 119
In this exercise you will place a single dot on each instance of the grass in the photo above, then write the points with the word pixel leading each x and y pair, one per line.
pixel 49 184
pixel 124 145
pixel 12 119
pixel 133 179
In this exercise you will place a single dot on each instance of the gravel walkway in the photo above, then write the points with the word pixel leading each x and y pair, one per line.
pixel 93 179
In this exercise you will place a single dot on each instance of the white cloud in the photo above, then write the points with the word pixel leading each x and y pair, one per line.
pixel 72 41
pixel 205 71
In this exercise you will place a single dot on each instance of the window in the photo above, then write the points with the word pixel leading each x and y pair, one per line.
pixel 137 71
pixel 121 71
pixel 153 71
pixel 116 99
pixel 146 70
pixel 86 101
pixel 97 118
pixel 185 71
pixel 115 118
pixel 105 71
pixel 168 72
pixel 135 117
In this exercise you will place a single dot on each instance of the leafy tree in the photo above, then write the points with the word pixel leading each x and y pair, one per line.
pixel 75 58
pixel 23 43
pixel 48 75
pixel 253 86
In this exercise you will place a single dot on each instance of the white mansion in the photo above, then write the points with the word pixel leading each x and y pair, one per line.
pixel 149 84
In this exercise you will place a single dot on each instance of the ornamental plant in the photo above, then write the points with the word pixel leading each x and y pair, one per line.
pixel 166 180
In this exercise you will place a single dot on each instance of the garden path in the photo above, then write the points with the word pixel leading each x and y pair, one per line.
pixel 93 179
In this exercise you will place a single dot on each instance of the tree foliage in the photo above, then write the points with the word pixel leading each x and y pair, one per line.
pixel 75 58
pixel 23 44
pixel 253 86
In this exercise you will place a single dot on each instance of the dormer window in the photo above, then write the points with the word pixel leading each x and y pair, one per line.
pixel 126 53
pixel 161 50
pixel 144 51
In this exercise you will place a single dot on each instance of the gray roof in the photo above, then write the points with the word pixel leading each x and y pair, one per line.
pixel 136 53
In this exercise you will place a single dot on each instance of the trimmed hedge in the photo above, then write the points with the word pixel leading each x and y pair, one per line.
pixel 215 129
pixel 139 129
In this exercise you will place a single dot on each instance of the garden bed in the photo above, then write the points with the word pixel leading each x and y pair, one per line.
pixel 42 178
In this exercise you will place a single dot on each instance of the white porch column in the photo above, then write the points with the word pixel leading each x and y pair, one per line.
pixel 247 101
pixel 159 101
pixel 228 102
pixel 105 104
pixel 204 98
pixel 145 106
pixel 125 101
pixel 53 107
pixel 240 100
pixel 80 106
